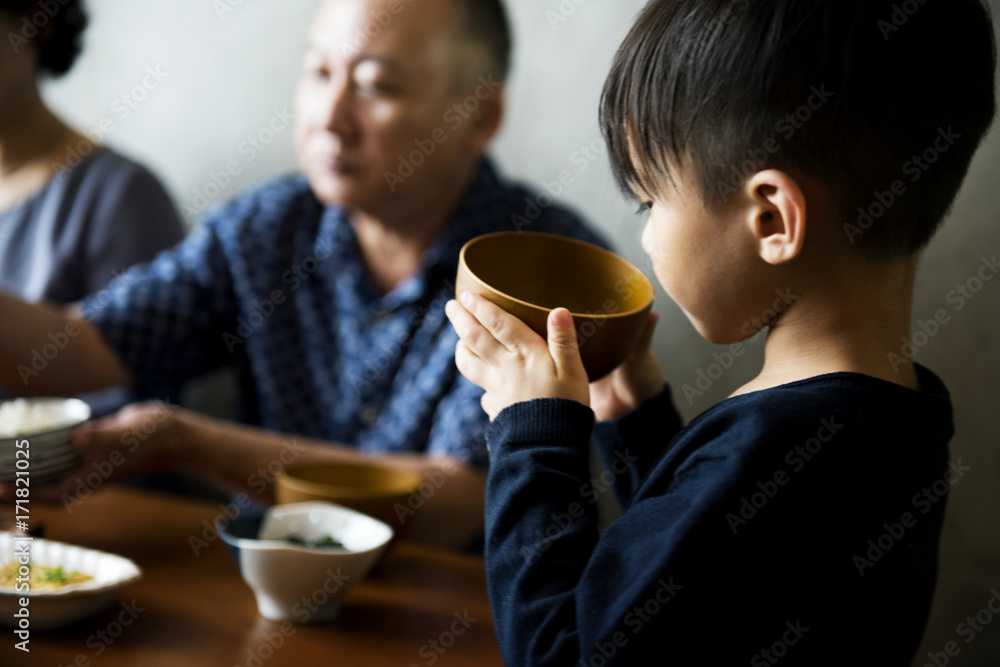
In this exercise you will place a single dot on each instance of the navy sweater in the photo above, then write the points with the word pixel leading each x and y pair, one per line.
pixel 799 523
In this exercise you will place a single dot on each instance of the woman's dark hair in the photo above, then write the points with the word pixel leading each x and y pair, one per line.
pixel 883 102
pixel 55 26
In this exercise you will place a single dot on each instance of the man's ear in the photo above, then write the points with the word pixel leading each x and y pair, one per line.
pixel 485 123
pixel 778 215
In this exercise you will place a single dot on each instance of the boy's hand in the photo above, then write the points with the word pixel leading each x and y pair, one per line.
pixel 632 384
pixel 501 354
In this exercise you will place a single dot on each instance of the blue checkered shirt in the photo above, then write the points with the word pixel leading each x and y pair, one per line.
pixel 273 283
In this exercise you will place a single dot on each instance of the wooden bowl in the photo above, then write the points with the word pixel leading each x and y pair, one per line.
pixel 367 488
pixel 529 274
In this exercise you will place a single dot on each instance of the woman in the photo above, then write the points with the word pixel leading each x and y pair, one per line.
pixel 66 230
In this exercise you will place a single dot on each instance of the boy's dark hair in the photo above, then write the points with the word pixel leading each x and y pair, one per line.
pixel 847 92
pixel 59 26
pixel 485 22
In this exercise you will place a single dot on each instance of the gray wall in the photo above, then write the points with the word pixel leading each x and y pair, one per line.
pixel 227 75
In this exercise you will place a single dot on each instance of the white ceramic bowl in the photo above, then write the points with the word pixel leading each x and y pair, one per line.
pixel 47 424
pixel 50 609
pixel 300 584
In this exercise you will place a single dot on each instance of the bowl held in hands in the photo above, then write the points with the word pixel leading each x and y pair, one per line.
pixel 529 274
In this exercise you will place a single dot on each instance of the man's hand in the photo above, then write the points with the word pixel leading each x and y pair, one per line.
pixel 157 437
pixel 635 382
pixel 137 439
pixel 512 363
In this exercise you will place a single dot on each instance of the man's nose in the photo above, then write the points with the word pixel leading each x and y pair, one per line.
pixel 339 107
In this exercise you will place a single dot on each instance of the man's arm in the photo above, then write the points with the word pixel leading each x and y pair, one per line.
pixel 50 351
pixel 238 458
pixel 155 437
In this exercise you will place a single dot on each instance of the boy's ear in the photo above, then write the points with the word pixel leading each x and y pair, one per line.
pixel 778 212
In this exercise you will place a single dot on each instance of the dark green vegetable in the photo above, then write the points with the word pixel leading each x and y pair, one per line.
pixel 326 541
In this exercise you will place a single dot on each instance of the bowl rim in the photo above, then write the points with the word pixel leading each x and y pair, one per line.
pixel 82 405
pixel 305 506
pixel 583 316
pixel 289 478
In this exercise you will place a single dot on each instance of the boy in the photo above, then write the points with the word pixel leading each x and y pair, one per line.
pixel 756 133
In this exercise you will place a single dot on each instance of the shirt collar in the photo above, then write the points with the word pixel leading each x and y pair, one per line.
pixel 477 214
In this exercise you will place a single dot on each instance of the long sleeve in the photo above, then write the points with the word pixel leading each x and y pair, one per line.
pixel 796 521
pixel 539 529
pixel 166 319
pixel 630 445
pixel 559 593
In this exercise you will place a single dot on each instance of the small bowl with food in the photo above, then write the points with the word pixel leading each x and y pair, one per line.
pixel 62 583
pixel 301 559
pixel 36 435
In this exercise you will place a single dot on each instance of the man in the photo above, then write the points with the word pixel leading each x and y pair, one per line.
pixel 326 291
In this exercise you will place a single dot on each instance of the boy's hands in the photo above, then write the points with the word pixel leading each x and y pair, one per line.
pixel 632 384
pixel 512 363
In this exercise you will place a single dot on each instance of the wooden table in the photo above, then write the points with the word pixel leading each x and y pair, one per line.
pixel 197 610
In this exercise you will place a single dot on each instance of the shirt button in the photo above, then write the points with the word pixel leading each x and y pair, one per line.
pixel 369 414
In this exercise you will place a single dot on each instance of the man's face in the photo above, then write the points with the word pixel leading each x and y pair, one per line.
pixel 373 128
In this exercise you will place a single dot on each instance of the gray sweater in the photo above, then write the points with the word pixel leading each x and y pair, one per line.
pixel 77 234
pixel 83 228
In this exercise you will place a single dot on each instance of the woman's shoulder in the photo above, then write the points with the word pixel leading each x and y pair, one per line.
pixel 106 173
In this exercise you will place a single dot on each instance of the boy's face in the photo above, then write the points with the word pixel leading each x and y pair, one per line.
pixel 706 259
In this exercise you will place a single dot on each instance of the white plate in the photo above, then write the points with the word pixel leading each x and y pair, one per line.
pixel 51 609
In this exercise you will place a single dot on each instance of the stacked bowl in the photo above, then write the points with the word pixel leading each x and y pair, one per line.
pixel 36 438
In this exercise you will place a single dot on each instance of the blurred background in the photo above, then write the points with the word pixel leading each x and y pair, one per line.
pixel 224 75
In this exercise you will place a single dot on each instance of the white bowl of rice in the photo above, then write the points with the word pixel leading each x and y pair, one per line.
pixel 36 436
